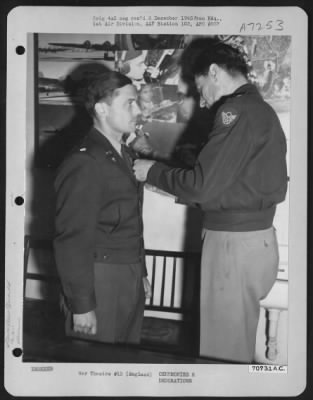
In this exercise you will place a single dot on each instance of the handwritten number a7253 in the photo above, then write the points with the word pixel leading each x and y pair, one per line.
pixel 277 25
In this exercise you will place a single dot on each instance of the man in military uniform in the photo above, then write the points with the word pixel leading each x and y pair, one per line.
pixel 238 178
pixel 99 246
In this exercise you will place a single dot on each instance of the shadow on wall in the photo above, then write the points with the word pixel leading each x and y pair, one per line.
pixel 62 120
pixel 60 123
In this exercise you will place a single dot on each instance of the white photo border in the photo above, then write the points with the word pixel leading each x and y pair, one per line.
pixel 208 380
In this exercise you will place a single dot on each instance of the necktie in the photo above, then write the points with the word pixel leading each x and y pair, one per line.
pixel 126 157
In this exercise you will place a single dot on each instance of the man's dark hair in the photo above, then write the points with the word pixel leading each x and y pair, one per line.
pixel 102 86
pixel 202 52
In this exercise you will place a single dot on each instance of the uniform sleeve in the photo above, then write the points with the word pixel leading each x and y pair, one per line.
pixel 77 206
pixel 218 165
pixel 144 264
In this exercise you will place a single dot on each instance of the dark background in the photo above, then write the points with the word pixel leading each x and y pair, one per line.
pixel 6 6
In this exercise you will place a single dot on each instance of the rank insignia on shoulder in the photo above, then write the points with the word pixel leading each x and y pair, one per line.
pixel 228 117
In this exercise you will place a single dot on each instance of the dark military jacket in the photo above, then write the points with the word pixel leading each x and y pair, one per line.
pixel 240 174
pixel 98 217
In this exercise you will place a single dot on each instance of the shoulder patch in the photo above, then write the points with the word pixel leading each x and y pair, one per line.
pixel 229 116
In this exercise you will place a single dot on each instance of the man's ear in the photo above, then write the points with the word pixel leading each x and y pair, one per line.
pixel 213 71
pixel 101 109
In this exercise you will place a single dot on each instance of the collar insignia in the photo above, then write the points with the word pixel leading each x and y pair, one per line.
pixel 110 155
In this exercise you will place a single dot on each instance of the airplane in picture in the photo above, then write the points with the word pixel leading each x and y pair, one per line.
pixel 87 45
pixel 51 49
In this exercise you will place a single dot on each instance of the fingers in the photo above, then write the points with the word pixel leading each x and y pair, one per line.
pixel 85 323
pixel 139 171
pixel 93 329
pixel 85 329
pixel 148 293
pixel 147 288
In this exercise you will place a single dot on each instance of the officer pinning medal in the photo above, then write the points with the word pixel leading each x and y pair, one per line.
pixel 237 179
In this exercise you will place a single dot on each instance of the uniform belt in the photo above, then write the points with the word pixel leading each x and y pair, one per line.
pixel 239 221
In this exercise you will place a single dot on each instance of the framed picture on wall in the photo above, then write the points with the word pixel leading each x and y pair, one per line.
pixel 63 63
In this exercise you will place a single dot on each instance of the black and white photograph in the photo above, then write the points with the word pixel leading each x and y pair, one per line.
pixel 153 243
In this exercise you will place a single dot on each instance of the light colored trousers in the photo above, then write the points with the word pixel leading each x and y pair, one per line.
pixel 238 269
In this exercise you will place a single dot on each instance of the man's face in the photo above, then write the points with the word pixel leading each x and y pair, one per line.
pixel 207 89
pixel 122 113
pixel 137 67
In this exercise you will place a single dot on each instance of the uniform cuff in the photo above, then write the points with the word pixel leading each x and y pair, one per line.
pixel 82 304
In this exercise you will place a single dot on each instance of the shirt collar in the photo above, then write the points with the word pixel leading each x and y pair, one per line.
pixel 246 88
pixel 100 138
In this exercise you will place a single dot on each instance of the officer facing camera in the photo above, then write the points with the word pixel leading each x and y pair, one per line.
pixel 99 246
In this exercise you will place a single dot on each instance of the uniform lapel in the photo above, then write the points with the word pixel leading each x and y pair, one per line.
pixel 128 158
pixel 124 161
